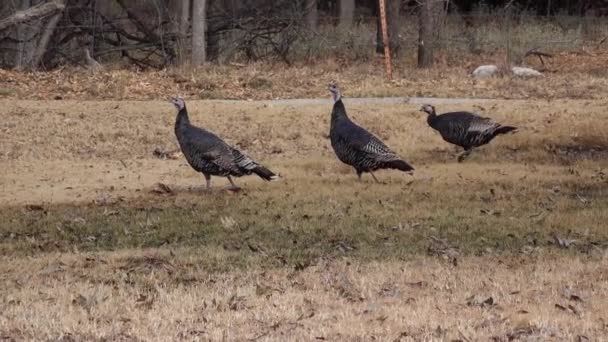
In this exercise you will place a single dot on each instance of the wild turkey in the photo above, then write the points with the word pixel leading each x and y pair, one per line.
pixel 357 147
pixel 209 154
pixel 464 129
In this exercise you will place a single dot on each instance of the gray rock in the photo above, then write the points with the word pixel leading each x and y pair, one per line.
pixel 525 72
pixel 484 71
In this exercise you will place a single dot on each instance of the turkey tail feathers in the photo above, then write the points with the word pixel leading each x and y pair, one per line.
pixel 265 174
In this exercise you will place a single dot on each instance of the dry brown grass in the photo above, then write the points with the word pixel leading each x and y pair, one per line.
pixel 122 130
pixel 570 75
pixel 154 296
pixel 71 151
pixel 317 255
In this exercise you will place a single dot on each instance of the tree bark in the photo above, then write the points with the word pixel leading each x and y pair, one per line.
pixel 138 22
pixel 105 8
pixel 385 39
pixel 22 34
pixel 32 13
pixel 182 28
pixel 393 19
pixel 199 19
pixel 215 8
pixel 430 18
pixel 312 15
pixel 347 12
pixel 425 29
pixel 45 39
pixel 393 13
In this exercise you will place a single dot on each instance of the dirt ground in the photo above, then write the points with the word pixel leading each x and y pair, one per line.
pixel 509 245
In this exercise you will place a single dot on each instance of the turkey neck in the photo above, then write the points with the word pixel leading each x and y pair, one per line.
pixel 431 119
pixel 338 113
pixel 182 119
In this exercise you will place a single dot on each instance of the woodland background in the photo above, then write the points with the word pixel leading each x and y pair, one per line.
pixel 39 34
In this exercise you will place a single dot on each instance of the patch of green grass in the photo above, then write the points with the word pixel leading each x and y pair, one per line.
pixel 362 221
pixel 6 92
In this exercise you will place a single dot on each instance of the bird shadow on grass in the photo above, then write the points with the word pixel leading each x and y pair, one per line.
pixel 172 189
pixel 572 152
pixel 443 155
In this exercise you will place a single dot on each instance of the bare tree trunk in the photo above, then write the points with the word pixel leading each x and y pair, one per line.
pixel 584 22
pixel 105 8
pixel 347 12
pixel 425 29
pixel 312 15
pixel 385 40
pixel 32 13
pixel 199 20
pixel 430 18
pixel 183 20
pixel 393 9
pixel 45 39
pixel 393 16
pixel 5 6
pixel 22 33
pixel 215 8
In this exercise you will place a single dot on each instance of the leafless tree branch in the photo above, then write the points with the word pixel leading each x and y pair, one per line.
pixel 32 13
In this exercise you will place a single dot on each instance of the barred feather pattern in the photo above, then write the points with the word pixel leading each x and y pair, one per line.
pixel 371 158
pixel 465 129
pixel 205 166
pixel 357 147
pixel 209 154
pixel 245 164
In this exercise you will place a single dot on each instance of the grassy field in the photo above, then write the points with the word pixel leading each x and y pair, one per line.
pixel 510 244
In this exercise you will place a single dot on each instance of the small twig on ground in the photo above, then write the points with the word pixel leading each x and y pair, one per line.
pixel 539 54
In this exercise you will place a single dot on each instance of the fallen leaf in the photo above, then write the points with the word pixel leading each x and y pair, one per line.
pixel 561 307
pixel 480 301
pixel 381 318
pixel 418 284
pixel 576 298
pixel 490 212
pixel 573 309
pixel 162 189
pixel 563 243
pixel 237 303
pixel 256 248
pixel 160 153
pixel 344 246
pixel 107 212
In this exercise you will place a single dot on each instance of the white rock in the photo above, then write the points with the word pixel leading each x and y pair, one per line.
pixel 525 72
pixel 484 71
